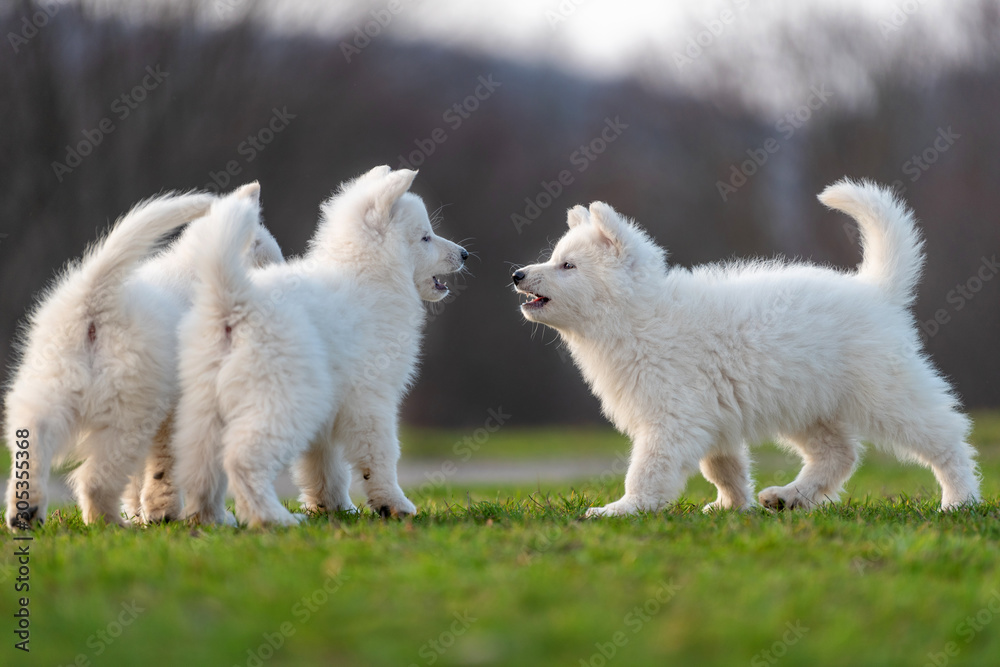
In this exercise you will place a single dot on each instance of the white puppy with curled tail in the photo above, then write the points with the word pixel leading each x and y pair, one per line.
pixel 92 371
pixel 694 365
pixel 96 379
pixel 276 364
pixel 153 495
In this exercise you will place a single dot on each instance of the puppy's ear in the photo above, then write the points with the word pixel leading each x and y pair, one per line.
pixel 576 216
pixel 377 172
pixel 610 226
pixel 249 191
pixel 393 186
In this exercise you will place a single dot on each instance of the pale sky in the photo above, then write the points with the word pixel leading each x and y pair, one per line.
pixel 613 38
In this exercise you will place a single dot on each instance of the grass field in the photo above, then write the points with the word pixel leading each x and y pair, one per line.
pixel 513 576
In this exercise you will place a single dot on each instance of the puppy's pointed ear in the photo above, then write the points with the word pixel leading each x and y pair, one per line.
pixel 610 226
pixel 377 172
pixel 249 191
pixel 576 216
pixel 393 186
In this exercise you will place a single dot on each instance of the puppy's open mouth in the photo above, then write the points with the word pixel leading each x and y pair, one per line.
pixel 534 300
pixel 440 285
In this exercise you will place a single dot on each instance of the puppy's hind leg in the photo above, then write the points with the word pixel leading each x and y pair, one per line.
pixel 253 458
pixel 830 457
pixel 160 497
pixel 197 447
pixel 324 477
pixel 729 471
pixel 936 436
pixel 112 456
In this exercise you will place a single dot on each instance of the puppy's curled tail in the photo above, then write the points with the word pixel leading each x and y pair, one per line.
pixel 893 247
pixel 106 265
pixel 226 239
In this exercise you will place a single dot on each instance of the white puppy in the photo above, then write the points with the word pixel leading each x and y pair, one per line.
pixel 307 362
pixel 153 496
pixel 693 365
pixel 97 375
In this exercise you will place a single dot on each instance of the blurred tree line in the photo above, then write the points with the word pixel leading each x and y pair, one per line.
pixel 99 112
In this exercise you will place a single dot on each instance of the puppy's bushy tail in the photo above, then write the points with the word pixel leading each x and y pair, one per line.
pixel 224 283
pixel 892 244
pixel 106 265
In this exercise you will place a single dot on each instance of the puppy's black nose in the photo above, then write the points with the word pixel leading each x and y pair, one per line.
pixel 465 254
pixel 518 276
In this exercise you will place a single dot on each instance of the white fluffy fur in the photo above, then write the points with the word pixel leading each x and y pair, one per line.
pixel 97 375
pixel 307 363
pixel 694 365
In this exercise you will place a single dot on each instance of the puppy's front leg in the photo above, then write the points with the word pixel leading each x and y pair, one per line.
pixel 33 442
pixel 657 472
pixel 374 453
pixel 382 486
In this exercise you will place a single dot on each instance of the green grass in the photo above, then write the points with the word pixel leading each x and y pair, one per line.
pixel 513 576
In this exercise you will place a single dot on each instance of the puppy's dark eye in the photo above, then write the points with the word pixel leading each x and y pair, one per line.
pixel 567 265
pixel 426 239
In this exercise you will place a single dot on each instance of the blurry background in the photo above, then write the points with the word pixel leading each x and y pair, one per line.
pixel 712 123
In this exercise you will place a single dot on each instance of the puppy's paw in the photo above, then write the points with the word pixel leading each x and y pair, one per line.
pixel 785 497
pixel 164 510
pixel 312 507
pixel 617 508
pixel 285 518
pixel 207 517
pixel 718 506
pixel 26 520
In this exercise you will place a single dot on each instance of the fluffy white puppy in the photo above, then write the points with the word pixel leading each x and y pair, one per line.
pixel 153 496
pixel 307 362
pixel 694 364
pixel 97 374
